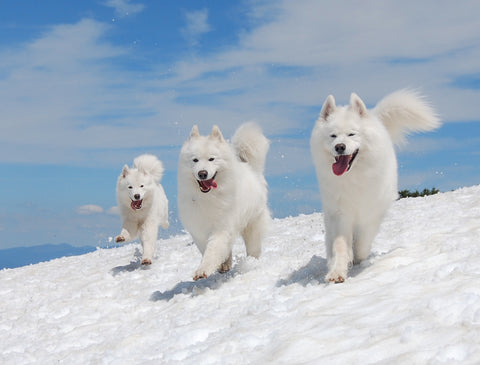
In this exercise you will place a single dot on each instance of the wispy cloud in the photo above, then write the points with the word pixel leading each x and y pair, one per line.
pixel 196 26
pixel 71 96
pixel 343 54
pixel 113 211
pixel 278 73
pixel 47 84
pixel 62 96
pixel 124 8
pixel 89 209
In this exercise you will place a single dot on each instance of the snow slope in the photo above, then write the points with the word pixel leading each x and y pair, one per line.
pixel 416 300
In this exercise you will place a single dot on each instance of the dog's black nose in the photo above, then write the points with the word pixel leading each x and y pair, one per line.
pixel 203 174
pixel 137 196
pixel 340 148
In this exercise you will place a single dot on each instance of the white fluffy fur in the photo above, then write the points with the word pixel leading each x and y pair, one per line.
pixel 355 202
pixel 142 182
pixel 400 119
pixel 237 206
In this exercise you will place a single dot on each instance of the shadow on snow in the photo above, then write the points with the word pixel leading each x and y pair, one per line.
pixel 312 273
pixel 194 288
pixel 315 271
pixel 135 264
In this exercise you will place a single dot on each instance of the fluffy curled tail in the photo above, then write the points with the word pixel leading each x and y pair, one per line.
pixel 149 164
pixel 405 111
pixel 251 145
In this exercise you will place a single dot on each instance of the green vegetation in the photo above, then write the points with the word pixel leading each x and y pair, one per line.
pixel 416 193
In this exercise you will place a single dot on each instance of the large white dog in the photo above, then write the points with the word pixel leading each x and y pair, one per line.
pixel 222 194
pixel 354 157
pixel 143 203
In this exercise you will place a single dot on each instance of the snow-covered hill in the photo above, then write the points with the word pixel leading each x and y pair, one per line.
pixel 416 300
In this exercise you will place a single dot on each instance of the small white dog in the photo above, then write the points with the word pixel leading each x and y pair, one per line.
pixel 222 194
pixel 352 149
pixel 143 203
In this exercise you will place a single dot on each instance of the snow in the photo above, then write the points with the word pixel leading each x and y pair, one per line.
pixel 415 300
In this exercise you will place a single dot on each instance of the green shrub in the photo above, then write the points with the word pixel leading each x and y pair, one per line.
pixel 413 194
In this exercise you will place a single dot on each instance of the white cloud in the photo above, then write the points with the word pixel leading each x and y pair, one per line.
pixel 114 211
pixel 48 83
pixel 196 26
pixel 62 99
pixel 365 47
pixel 67 100
pixel 89 209
pixel 124 7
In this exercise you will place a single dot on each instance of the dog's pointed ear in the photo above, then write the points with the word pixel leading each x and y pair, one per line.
pixel 328 107
pixel 216 133
pixel 194 132
pixel 125 171
pixel 358 105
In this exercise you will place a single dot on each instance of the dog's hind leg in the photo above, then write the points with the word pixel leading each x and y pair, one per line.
pixel 363 242
pixel 254 233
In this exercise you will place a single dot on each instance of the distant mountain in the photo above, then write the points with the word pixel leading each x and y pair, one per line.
pixel 20 256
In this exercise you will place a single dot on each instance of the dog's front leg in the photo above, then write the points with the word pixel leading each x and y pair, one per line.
pixel 218 251
pixel 129 231
pixel 148 236
pixel 339 260
pixel 124 236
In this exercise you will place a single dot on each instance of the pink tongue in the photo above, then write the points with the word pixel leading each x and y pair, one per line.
pixel 207 184
pixel 211 183
pixel 341 165
pixel 136 204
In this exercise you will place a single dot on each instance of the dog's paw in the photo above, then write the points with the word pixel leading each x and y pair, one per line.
pixel 334 277
pixel 205 270
pixel 146 262
pixel 119 239
pixel 225 267
pixel 200 276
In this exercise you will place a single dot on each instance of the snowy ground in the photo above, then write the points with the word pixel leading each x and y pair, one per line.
pixel 416 300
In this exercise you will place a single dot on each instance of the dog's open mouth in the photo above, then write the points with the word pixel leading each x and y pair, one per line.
pixel 343 163
pixel 207 185
pixel 136 204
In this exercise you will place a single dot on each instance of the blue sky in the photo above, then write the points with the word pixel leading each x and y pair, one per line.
pixel 86 86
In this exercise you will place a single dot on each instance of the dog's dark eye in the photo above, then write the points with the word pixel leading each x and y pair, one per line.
pixel 211 159
pixel 333 135
pixel 141 186
pixel 130 187
pixel 195 160
pixel 351 134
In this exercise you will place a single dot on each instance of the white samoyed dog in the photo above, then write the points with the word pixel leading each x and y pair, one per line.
pixel 222 194
pixel 143 203
pixel 354 157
